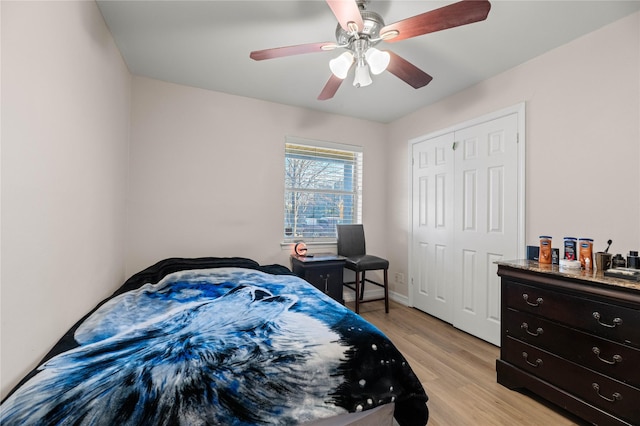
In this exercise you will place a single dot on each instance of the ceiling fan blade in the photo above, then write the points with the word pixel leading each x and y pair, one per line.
pixel 279 52
pixel 453 15
pixel 346 11
pixel 408 72
pixel 330 88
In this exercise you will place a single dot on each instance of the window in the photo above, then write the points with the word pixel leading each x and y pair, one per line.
pixel 323 188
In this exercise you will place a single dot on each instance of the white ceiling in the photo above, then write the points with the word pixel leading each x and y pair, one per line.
pixel 206 44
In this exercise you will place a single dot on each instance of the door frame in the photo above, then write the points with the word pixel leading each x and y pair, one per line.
pixel 518 109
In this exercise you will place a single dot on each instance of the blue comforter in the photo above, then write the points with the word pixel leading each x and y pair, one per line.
pixel 216 341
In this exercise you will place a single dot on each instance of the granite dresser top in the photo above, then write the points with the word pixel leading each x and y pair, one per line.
pixel 596 277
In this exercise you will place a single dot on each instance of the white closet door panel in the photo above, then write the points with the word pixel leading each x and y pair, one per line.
pixel 442 286
pixel 496 200
pixel 432 227
pixel 469 201
pixel 468 287
pixel 486 207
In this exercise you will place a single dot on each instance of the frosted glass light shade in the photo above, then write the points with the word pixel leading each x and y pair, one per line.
pixel 340 66
pixel 362 78
pixel 377 60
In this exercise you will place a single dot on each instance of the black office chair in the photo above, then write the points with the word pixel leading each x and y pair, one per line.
pixel 352 246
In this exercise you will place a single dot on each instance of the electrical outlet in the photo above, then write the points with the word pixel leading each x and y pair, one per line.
pixel 399 278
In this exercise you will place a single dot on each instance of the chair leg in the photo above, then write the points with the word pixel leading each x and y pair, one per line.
pixel 386 292
pixel 362 289
pixel 357 292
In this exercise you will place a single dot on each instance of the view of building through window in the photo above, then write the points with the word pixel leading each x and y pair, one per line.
pixel 323 187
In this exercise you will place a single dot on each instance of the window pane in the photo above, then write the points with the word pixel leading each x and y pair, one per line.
pixel 322 189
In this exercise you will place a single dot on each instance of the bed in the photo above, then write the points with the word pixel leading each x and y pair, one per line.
pixel 211 341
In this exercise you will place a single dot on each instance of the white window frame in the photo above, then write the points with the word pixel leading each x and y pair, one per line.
pixel 322 147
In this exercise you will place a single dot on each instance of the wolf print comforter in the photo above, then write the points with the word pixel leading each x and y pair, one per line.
pixel 216 341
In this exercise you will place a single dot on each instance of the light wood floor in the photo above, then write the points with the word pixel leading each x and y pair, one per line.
pixel 458 372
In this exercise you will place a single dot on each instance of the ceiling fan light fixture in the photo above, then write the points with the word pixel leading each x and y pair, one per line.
pixel 377 60
pixel 358 30
pixel 362 77
pixel 340 66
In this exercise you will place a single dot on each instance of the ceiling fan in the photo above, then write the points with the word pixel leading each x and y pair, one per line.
pixel 359 30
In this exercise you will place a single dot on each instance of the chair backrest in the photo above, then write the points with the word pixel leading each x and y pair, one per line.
pixel 351 240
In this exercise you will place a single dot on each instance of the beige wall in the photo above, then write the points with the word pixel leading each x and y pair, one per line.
pixel 207 176
pixel 206 168
pixel 582 140
pixel 65 120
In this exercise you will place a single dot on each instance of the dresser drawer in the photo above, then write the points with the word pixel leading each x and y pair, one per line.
pixel 611 358
pixel 601 391
pixel 610 321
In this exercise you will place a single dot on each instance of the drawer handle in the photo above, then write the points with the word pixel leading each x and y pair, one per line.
pixel 616 321
pixel 536 364
pixel 539 300
pixel 616 396
pixel 525 327
pixel 616 358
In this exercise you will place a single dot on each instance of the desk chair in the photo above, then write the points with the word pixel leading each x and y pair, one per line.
pixel 352 246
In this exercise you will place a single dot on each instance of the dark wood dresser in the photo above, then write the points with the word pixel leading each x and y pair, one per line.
pixel 573 338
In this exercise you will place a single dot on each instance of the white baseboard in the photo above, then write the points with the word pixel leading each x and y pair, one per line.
pixel 400 298
pixel 350 296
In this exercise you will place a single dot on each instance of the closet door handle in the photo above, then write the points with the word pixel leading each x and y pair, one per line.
pixel 616 358
pixel 616 321
pixel 539 300
pixel 538 331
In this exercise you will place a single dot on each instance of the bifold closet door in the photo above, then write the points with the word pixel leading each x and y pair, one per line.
pixel 486 222
pixel 464 218
pixel 432 228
